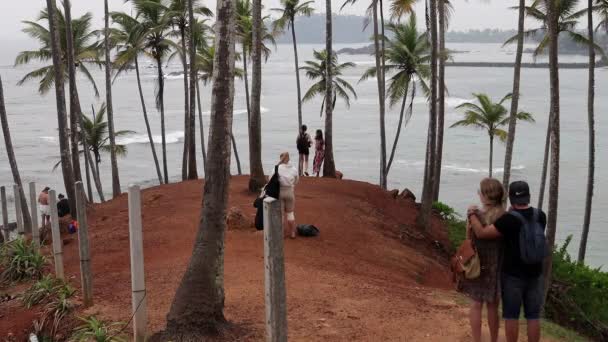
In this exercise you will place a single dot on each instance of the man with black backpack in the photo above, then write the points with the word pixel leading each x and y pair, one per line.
pixel 304 142
pixel 522 229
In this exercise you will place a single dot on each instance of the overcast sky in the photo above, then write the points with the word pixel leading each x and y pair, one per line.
pixel 471 14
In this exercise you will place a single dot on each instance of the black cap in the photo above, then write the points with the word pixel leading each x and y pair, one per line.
pixel 519 193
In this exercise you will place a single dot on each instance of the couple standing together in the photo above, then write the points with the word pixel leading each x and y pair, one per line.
pixel 504 270
pixel 304 143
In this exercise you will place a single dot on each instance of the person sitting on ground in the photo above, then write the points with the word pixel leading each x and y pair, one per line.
pixel 485 289
pixel 521 281
pixel 319 153
pixel 43 204
pixel 288 178
pixel 303 144
pixel 63 206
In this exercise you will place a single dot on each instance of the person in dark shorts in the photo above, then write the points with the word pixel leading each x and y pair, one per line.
pixel 521 283
pixel 304 142
pixel 63 206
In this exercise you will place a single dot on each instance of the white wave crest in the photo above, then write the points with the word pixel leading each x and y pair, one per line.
pixel 171 138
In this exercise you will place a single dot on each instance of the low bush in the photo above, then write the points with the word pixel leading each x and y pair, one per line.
pixel 457 227
pixel 96 330
pixel 21 260
pixel 578 297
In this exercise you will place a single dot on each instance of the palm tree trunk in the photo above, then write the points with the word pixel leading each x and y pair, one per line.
pixel 62 120
pixel 186 106
pixel 27 221
pixel 424 218
pixel 543 177
pixel 236 155
pixel 192 171
pixel 491 155
pixel 515 99
pixel 329 166
pixel 201 127
pixel 109 107
pixel 147 122
pixel 441 100
pixel 256 168
pixel 399 125
pixel 87 172
pixel 295 54
pixel 591 121
pixel 555 138
pixel 199 301
pixel 246 81
pixel 89 160
pixel 161 104
pixel 380 82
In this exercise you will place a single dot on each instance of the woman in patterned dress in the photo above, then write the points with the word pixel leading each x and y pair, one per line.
pixel 319 152
pixel 486 288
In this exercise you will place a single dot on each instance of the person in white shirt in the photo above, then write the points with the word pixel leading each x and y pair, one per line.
pixel 288 178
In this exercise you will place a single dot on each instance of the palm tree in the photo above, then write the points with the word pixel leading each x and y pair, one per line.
pixel 491 117
pixel 289 11
pixel 27 221
pixel 199 301
pixel 317 71
pixel 58 74
pixel 515 99
pixel 129 37
pixel 408 56
pixel 591 121
pixel 152 16
pixel 192 172
pixel 256 169
pixel 111 132
pixel 97 136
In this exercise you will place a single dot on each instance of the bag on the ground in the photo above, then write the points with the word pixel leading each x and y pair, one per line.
pixel 307 230
pixel 302 143
pixel 258 203
pixel 465 263
pixel 73 227
pixel 273 188
pixel 532 241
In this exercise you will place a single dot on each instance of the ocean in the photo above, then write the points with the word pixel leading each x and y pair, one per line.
pixel 33 124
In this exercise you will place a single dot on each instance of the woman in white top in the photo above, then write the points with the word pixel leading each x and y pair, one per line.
pixel 288 178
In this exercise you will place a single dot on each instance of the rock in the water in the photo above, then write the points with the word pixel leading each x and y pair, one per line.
pixel 408 195
pixel 236 220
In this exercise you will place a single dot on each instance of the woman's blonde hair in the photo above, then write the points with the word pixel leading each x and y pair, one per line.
pixel 284 158
pixel 494 194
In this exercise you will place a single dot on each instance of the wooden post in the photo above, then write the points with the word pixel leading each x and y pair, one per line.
pixel 4 214
pixel 86 278
pixel 18 214
pixel 57 242
pixel 274 267
pixel 138 286
pixel 33 205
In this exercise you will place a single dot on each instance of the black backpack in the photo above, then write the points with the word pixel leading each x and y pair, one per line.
pixel 307 230
pixel 532 241
pixel 273 187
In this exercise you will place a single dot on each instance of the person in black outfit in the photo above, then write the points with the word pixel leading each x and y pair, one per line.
pixel 63 206
pixel 521 283
pixel 304 142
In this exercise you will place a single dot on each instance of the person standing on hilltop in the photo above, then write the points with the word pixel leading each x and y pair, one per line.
pixel 523 232
pixel 319 153
pixel 303 144
pixel 288 178
pixel 43 204
pixel 63 206
pixel 485 288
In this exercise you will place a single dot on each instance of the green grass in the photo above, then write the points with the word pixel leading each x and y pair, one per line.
pixel 560 333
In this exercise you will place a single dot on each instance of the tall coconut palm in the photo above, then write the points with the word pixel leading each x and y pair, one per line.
pixel 192 172
pixel 317 70
pixel 8 143
pixel 96 135
pixel 152 16
pixel 553 34
pixel 86 50
pixel 289 11
pixel 204 61
pixel 129 38
pixel 256 169
pixel 110 108
pixel 199 301
pixel 58 73
pixel 408 57
pixel 515 92
pixel 591 122
pixel 329 164
pixel 424 218
pixel 490 117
